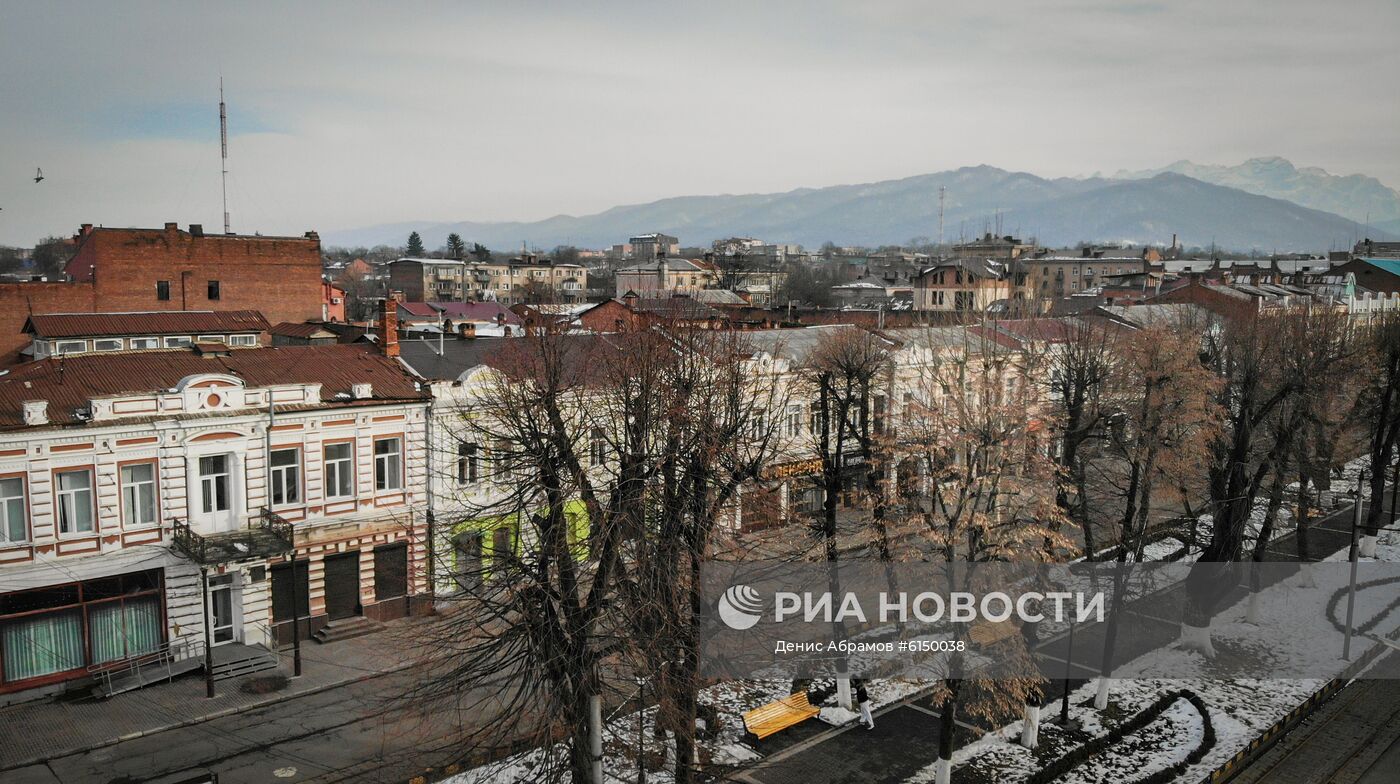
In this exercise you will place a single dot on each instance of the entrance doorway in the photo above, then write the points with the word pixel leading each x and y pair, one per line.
pixel 223 610
pixel 343 585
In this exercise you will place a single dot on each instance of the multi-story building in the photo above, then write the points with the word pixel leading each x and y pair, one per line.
pixel 666 275
pixel 165 269
pixel 153 502
pixel 989 247
pixel 1056 276
pixel 520 280
pixel 648 247
pixel 962 285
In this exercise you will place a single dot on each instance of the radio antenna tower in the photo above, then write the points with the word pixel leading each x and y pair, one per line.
pixel 942 191
pixel 223 151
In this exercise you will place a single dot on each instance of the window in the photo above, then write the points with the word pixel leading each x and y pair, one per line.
pixel 71 347
pixel 286 476
pixel 65 627
pixel 388 464
pixel 213 289
pixel 139 494
pixel 880 404
pixel 210 338
pixel 177 341
pixel 143 343
pixel 597 447
pixel 14 527
pixel 107 344
pixel 467 462
pixel 794 421
pixel 163 290
pixel 340 470
pixel 74 501
pixel 243 340
pixel 213 484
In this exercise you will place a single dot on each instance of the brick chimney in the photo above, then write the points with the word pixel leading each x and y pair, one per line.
pixel 388 328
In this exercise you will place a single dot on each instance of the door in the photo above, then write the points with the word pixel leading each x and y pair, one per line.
pixel 343 585
pixel 223 626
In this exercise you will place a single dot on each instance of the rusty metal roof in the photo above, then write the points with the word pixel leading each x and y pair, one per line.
pixel 69 382
pixel 170 322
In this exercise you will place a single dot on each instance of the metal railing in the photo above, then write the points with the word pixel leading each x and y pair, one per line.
pixel 165 656
pixel 278 526
pixel 187 541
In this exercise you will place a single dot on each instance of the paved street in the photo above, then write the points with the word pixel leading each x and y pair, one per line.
pixel 342 734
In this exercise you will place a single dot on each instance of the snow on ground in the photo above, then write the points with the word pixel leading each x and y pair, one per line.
pixel 1240 710
pixel 731 699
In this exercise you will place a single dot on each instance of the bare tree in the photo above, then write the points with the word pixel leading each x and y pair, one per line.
pixel 844 371
pixel 1165 420
pixel 972 425
pixel 1081 368
pixel 1380 407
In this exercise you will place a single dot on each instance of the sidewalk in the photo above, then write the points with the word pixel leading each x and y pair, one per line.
pixel 47 729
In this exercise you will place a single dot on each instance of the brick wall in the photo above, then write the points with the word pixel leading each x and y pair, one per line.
pixel 117 270
pixel 18 300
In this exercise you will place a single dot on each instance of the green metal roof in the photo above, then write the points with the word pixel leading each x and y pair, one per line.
pixel 1389 265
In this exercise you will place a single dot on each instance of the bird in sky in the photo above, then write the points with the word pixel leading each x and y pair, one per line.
pixel 38 174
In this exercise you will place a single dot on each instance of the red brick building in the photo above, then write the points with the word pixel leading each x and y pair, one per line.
pixel 117 270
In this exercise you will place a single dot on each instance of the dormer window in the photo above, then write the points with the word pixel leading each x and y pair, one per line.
pixel 107 344
pixel 70 347
pixel 138 344
pixel 177 341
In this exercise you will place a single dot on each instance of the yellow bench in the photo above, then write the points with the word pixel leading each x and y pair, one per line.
pixel 779 715
pixel 987 633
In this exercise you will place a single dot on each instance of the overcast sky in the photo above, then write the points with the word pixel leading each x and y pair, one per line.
pixel 344 115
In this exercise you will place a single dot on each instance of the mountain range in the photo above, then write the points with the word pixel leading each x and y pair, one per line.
pixel 1134 207
pixel 1354 196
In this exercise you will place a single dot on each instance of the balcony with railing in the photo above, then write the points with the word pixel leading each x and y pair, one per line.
pixel 267 535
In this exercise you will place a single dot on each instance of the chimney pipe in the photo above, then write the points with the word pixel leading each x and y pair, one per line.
pixel 36 412
pixel 388 328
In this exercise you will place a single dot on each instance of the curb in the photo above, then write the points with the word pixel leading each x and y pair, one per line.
pixel 219 714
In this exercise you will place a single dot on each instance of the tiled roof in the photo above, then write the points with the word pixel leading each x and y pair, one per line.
pixel 68 383
pixel 171 322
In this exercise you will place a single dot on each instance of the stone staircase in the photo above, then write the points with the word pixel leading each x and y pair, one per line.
pixel 345 628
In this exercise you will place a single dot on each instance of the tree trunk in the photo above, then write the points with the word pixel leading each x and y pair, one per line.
pixel 946 727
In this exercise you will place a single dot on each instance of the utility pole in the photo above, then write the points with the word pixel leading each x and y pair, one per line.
pixel 942 193
pixel 208 642
pixel 223 151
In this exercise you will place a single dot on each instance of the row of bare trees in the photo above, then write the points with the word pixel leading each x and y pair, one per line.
pixel 616 465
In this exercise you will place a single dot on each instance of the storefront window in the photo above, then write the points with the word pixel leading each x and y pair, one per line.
pixel 62 628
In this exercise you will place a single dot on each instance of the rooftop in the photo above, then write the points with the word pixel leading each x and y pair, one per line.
pixel 69 383
pixel 169 322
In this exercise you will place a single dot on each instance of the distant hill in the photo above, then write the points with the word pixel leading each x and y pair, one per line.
pixel 1055 211
pixel 1354 196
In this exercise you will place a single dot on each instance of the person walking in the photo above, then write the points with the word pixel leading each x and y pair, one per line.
pixel 863 702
